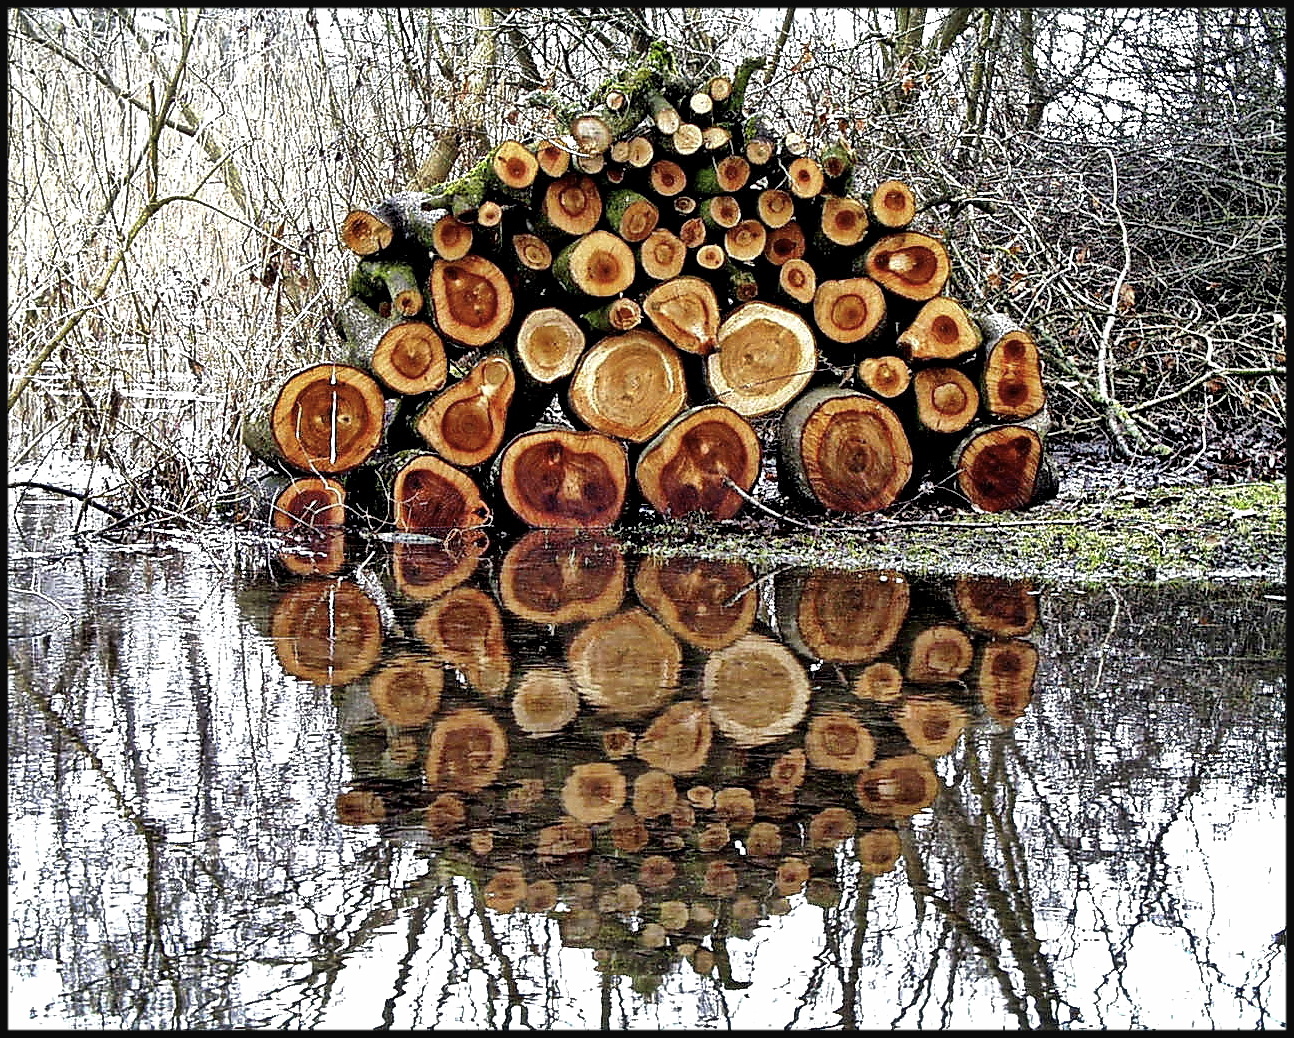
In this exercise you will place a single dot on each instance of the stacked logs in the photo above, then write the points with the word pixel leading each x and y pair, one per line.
pixel 632 314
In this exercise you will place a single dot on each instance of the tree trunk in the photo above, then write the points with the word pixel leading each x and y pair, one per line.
pixel 683 471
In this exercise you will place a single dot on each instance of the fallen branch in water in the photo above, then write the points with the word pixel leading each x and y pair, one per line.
pixel 67 492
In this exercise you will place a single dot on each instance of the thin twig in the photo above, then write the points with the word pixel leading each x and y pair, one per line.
pixel 68 492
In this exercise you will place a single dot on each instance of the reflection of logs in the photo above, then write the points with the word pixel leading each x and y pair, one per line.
pixel 406 690
pixel 558 577
pixel 626 664
pixel 326 631
pixel 1006 608
pixel 466 752
pixel 1004 678
pixel 706 603
pixel 842 617
pixel 932 725
pixel 425 571
pixel 898 787
pixel 545 701
pixel 464 629
pixel 756 690
pixel 938 654
pixel 678 740
pixel 837 741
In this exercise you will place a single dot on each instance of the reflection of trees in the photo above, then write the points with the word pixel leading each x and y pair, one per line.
pixel 187 778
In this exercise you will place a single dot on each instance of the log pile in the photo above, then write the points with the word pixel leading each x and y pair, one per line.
pixel 639 313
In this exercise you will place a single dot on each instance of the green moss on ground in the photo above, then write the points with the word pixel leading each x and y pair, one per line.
pixel 1151 536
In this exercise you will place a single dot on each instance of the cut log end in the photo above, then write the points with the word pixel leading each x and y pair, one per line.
pixel 911 265
pixel 430 494
pixel 564 479
pixel 549 343
pixel 1001 468
pixel 410 359
pixel 893 204
pixel 947 400
pixel 849 310
pixel 598 264
pixel 328 418
pixel 764 358
pixel 887 376
pixel 309 503
pixel 472 298
pixel 628 386
pixel 686 469
pixel 465 423
pixel 365 234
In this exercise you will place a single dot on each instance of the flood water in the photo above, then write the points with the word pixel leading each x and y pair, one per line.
pixel 537 783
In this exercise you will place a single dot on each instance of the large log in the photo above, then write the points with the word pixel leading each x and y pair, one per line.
pixel 1003 468
pixel 466 423
pixel 1011 380
pixel 553 477
pixel 942 330
pixel 764 357
pixel 909 264
pixel 685 470
pixel 422 493
pixel 472 299
pixel 326 419
pixel 598 264
pixel 844 451
pixel 628 386
pixel 303 503
pixel 686 311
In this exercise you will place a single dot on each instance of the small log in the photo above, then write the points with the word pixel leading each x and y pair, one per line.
pixel 641 152
pixel 745 241
pixel 716 138
pixel 1002 468
pixel 764 357
pixel 662 254
pixel 727 176
pixel 692 232
pixel 465 630
pixel 1003 678
pixel 552 477
pixel 686 140
pixel 407 357
pixel 841 617
pixel 465 424
pixel 626 665
pixel 774 207
pixel 797 282
pixel 700 102
pixel 685 470
pixel 946 400
pixel 598 264
pixel 326 419
pixel 1011 379
pixel 532 252
pixel 720 212
pixel 844 451
pixel 628 386
pixel 842 223
pixel 562 577
pixel 514 168
pixel 837 163
pixel 553 158
pixel 663 114
pixel 376 281
pixel 452 239
pixel 489 214
pixel 804 176
pixel 756 690
pixel 667 178
pixel 760 148
pixel 785 243
pixel 471 298
pixel 892 205
pixel 619 315
pixel 548 344
pixel 708 604
pixel 630 215
pixel 678 740
pixel 709 258
pixel 849 310
pixel 887 376
pixel 941 330
pixel 327 632
pixel 594 792
pixel 686 312
pixel 995 605
pixel 898 787
pixel 909 264
pixel 572 204
pixel 684 205
pixel 466 752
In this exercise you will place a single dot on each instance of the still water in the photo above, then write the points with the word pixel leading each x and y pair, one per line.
pixel 538 783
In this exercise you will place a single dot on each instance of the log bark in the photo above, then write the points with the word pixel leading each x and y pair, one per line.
pixel 630 215
pixel 1011 381
pixel 941 330
pixel 909 264
pixel 559 478
pixel 386 281
pixel 684 470
pixel 466 423
pixel 619 315
pixel 844 451
pixel 326 419
pixel 472 299
pixel 628 386
pixel 764 357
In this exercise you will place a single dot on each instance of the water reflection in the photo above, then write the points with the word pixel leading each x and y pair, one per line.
pixel 540 783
